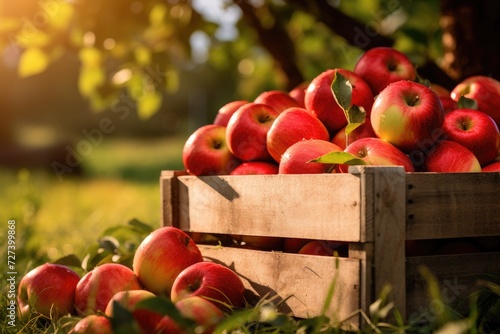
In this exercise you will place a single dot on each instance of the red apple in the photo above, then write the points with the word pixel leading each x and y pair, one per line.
pixel 322 248
pixel 93 324
pixel 210 280
pixel 381 66
pixel 445 96
pixel 161 256
pixel 408 115
pixel 475 130
pixel 247 129
pixel 493 167
pixel 50 289
pixel 319 99
pixel 96 288
pixel 277 99
pixel 147 320
pixel 364 130
pixel 293 245
pixel 375 151
pixel 203 312
pixel 482 89
pixel 448 157
pixel 296 159
pixel 299 93
pixel 206 152
pixel 226 111
pixel 255 168
pixel 291 126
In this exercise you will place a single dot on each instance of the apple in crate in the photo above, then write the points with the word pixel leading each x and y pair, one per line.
pixel 96 288
pixel 323 248
pixel 161 256
pixel 299 93
pixel 293 245
pixel 493 167
pixel 277 99
pixel 258 242
pixel 319 99
pixel 450 157
pixel 49 289
pixel 374 151
pixel 247 130
pixel 147 320
pixel 364 130
pixel 212 281
pixel 203 312
pixel 381 66
pixel 408 115
pixel 255 168
pixel 475 130
pixel 226 111
pixel 93 324
pixel 206 152
pixel 482 89
pixel 291 126
pixel 297 158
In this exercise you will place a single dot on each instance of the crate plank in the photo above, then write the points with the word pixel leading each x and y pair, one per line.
pixel 301 281
pixel 322 206
pixel 457 276
pixel 452 205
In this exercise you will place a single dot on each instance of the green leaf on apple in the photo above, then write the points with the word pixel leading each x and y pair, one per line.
pixel 355 117
pixel 342 91
pixel 339 158
pixel 465 102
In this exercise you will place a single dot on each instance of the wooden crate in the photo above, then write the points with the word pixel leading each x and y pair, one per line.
pixel 375 209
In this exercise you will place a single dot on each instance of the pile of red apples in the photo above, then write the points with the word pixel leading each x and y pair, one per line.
pixel 379 113
pixel 168 264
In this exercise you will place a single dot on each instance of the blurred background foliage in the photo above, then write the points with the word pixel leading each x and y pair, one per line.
pixel 112 89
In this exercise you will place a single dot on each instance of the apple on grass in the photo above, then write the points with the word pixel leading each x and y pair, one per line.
pixel 206 152
pixel 205 315
pixel 247 129
pixel 319 99
pixel 226 111
pixel 256 168
pixel 381 66
pixel 291 126
pixel 297 158
pixel 96 288
pixel 482 89
pixel 214 282
pixel 277 99
pixel 450 157
pixel 49 289
pixel 475 130
pixel 93 324
pixel 146 320
pixel 368 151
pixel 408 115
pixel 161 256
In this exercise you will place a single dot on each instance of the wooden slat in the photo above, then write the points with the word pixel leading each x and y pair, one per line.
pixel 301 281
pixel 451 205
pixel 457 275
pixel 169 196
pixel 321 206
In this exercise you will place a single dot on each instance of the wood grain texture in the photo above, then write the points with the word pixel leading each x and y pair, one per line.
pixel 451 205
pixel 457 275
pixel 321 206
pixel 300 282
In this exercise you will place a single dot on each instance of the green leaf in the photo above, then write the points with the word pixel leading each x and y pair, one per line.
pixel 70 260
pixel 148 104
pixel 33 61
pixel 355 117
pixel 345 158
pixel 342 91
pixel 109 243
pixel 140 226
pixel 123 320
pixel 165 307
pixel 465 102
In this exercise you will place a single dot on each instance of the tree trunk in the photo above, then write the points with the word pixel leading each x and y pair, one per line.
pixel 470 38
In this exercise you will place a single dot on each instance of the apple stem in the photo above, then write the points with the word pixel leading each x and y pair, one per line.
pixel 187 241
pixel 414 101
